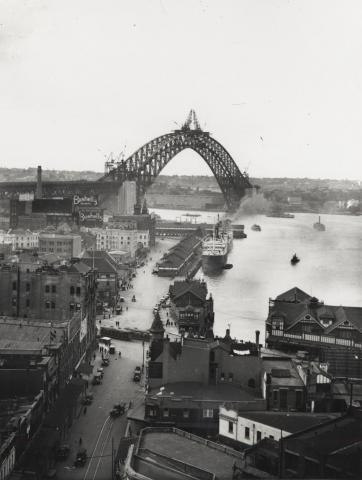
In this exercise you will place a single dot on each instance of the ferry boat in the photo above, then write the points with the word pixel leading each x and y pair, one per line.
pixel 238 231
pixel 294 260
pixel 319 226
pixel 215 247
pixel 256 228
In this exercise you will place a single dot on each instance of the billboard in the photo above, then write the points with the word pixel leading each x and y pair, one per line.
pixel 85 200
pixel 90 216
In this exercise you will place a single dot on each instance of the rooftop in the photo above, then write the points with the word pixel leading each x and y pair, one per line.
pixel 27 335
pixel 163 454
pixel 290 422
pixel 283 372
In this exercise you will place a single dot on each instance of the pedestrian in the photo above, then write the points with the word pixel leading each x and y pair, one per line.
pixel 120 354
pixel 85 410
pixel 126 309
pixel 94 356
pixel 109 315
pixel 80 440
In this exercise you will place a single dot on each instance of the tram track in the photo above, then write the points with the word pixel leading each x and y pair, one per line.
pixel 98 452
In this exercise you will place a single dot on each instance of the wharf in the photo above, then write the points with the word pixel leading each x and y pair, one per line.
pixel 181 229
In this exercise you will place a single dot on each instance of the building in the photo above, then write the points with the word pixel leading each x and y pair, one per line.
pixel 20 239
pixel 331 334
pixel 65 245
pixel 127 198
pixel 51 294
pixel 7 454
pixel 329 450
pixel 283 387
pixel 186 254
pixel 142 221
pixel 190 307
pixel 127 239
pixel 170 453
pixel 108 277
pixel 244 429
pixel 189 380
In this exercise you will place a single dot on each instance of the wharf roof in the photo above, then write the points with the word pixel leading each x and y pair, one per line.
pixel 292 313
pixel 161 450
pixel 79 267
pixel 197 391
pixel 283 372
pixel 291 422
pixel 196 287
pixel 27 334
pixel 294 295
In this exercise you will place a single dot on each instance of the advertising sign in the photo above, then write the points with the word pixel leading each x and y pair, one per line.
pixel 84 200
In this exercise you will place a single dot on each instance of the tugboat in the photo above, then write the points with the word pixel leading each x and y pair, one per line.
pixel 256 228
pixel 294 260
pixel 319 226
pixel 227 266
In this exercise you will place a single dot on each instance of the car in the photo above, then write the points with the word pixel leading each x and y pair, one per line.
pixel 81 458
pixel 137 374
pixel 105 362
pixel 100 370
pixel 62 452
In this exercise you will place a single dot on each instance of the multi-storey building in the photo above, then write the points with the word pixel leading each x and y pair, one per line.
pixel 51 294
pixel 142 221
pixel 20 239
pixel 127 239
pixel 190 307
pixel 333 334
pixel 64 245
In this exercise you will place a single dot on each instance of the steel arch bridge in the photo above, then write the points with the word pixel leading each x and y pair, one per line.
pixel 148 161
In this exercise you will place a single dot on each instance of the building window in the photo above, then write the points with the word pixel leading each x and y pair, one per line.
pixel 166 412
pixel 27 302
pixel 77 307
pixel 47 288
pixel 271 437
pixel 251 383
pixel 152 412
pixel 231 377
pixel 14 285
pixel 13 301
pixel 222 376
pixel 186 413
pixel 208 413
pixel 78 291
pixel 53 305
pixel 231 427
pixel 47 305
pixel 27 287
pixel 72 290
pixel 247 432
pixel 71 307
pixel 258 436
pixel 275 397
pixel 54 288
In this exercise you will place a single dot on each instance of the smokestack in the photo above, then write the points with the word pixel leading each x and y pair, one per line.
pixel 257 336
pixel 39 188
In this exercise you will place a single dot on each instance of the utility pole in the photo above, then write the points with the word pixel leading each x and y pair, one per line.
pixel 143 355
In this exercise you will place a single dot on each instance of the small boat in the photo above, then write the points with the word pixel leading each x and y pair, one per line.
pixel 227 266
pixel 256 228
pixel 319 226
pixel 294 260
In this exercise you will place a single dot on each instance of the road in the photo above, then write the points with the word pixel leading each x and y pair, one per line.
pixel 95 427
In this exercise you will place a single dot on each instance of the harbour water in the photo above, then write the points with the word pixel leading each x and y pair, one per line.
pixel 330 266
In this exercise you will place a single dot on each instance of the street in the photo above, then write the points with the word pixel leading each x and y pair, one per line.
pixel 96 428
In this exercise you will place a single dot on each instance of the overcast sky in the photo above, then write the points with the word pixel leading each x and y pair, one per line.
pixel 277 82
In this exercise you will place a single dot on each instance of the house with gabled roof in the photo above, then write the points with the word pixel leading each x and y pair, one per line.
pixel 191 309
pixel 298 321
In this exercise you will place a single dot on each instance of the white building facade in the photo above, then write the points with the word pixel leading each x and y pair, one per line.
pixel 126 240
pixel 245 431
pixel 20 239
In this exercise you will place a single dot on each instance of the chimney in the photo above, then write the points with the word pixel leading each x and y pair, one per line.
pixel 257 336
pixel 39 192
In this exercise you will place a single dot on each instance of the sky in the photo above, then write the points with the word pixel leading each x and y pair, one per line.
pixel 277 82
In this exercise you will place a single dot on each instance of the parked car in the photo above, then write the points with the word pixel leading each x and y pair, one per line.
pixel 100 370
pixel 137 374
pixel 97 379
pixel 112 349
pixel 105 362
pixel 118 410
pixel 62 452
pixel 81 458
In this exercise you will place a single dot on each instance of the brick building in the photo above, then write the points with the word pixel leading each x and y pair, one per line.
pixel 52 294
pixel 190 307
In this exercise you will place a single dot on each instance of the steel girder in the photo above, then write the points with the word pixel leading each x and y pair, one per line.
pixel 147 162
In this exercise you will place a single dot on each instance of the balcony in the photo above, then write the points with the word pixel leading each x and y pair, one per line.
pixel 324 339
